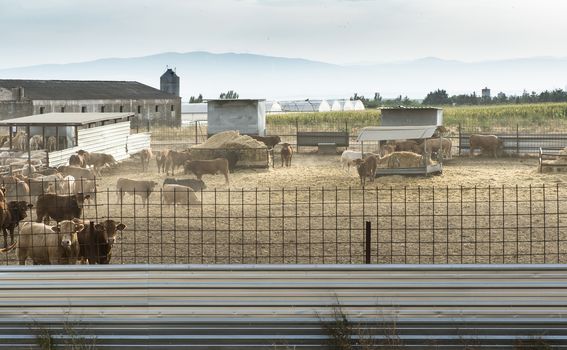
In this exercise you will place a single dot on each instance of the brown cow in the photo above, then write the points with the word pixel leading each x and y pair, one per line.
pixel 97 160
pixel 366 168
pixel 407 146
pixel 490 144
pixel 96 241
pixel 141 188
pixel 161 158
pixel 269 141
pixel 16 211
pixel 212 167
pixel 46 244
pixel 77 160
pixel 436 144
pixel 145 156
pixel 286 154
pixel 176 159
pixel 58 207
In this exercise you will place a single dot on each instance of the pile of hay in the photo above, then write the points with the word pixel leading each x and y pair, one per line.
pixel 402 159
pixel 231 139
pixel 240 150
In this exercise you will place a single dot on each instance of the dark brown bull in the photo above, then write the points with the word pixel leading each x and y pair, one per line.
pixel 58 207
pixel 16 212
pixel 269 141
pixel 212 167
pixel 96 241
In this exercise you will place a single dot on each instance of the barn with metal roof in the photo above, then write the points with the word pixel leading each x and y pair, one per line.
pixel 19 98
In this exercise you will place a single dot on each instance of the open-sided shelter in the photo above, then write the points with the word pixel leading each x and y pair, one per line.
pixel 62 134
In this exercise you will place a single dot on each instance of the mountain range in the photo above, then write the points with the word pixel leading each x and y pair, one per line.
pixel 258 76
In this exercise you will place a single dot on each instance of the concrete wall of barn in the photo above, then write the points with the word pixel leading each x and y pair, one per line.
pixel 156 111
pixel 15 109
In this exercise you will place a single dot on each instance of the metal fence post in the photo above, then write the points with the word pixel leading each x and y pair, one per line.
pixel 196 131
pixel 460 140
pixel 518 139
pixel 296 132
pixel 368 245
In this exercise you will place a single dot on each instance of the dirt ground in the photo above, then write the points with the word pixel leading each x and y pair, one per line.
pixel 316 212
pixel 313 170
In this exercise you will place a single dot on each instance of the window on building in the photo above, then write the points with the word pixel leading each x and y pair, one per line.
pixel 62 109
pixel 41 110
pixel 102 109
pixel 121 109
pixel 83 109
pixel 157 108
pixel 139 109
pixel 172 108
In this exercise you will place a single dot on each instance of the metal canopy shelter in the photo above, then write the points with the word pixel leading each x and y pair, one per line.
pixel 64 119
pixel 58 120
pixel 390 133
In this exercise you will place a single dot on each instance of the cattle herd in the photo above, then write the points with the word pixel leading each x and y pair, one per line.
pixel 413 153
pixel 58 194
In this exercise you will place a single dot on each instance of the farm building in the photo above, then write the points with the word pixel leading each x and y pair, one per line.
pixel 109 133
pixel 19 98
pixel 273 107
pixel 248 116
pixel 192 112
pixel 305 106
pixel 412 116
pixel 406 124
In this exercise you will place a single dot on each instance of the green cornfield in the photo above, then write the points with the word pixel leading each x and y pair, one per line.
pixel 541 116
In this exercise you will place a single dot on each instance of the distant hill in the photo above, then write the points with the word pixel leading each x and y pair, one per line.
pixel 257 76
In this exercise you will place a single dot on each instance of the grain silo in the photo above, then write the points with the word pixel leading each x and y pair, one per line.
pixel 169 82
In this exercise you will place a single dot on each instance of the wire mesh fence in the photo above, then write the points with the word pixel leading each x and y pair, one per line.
pixel 418 225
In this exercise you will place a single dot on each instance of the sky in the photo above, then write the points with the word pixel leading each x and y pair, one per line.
pixel 334 31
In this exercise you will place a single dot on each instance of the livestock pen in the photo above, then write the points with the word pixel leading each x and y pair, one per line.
pixel 432 225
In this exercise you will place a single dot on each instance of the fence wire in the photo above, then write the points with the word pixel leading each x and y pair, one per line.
pixel 417 225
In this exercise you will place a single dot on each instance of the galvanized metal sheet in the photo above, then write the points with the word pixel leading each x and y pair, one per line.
pixel 138 142
pixel 238 306
pixel 387 133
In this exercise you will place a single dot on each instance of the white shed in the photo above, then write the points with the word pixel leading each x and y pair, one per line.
pixel 245 115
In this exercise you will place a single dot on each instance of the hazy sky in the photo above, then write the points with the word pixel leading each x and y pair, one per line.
pixel 336 31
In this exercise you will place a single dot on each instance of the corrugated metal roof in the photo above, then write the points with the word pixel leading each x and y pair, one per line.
pixel 387 133
pixel 64 119
pixel 85 90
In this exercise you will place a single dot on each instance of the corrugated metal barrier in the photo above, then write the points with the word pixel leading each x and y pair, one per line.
pixel 284 306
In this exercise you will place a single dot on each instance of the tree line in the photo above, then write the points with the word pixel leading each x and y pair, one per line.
pixel 440 97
